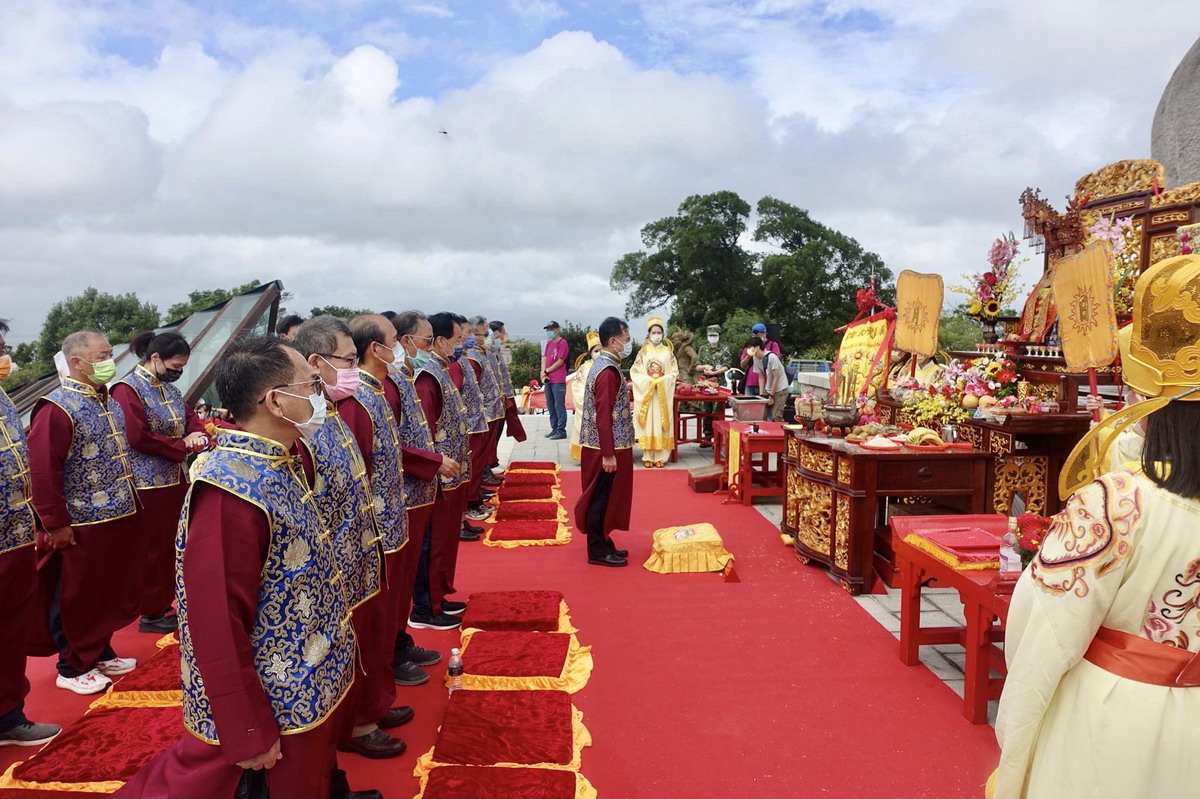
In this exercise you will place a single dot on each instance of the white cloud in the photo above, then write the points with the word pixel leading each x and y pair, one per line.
pixel 537 12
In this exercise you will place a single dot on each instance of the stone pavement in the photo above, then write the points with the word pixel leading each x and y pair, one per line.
pixel 940 606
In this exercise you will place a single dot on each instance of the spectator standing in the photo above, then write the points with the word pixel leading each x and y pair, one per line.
pixel 758 331
pixel 554 379
pixel 772 377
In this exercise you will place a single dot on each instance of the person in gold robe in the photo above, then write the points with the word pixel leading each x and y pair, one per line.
pixel 578 381
pixel 653 374
pixel 1104 628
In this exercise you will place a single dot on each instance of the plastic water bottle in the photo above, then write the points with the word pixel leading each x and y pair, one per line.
pixel 454 671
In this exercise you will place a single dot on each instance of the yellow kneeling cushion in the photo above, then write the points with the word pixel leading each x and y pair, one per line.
pixel 688 548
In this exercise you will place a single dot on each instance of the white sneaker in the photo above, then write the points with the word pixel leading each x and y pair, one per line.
pixel 93 682
pixel 116 666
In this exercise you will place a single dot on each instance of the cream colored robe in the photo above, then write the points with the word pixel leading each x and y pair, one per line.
pixel 1122 554
pixel 654 401
pixel 578 386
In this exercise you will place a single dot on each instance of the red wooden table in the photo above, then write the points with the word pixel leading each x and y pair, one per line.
pixel 985 610
pixel 684 420
pixel 758 473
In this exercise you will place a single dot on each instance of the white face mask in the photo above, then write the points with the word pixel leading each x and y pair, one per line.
pixel 319 410
pixel 656 338
pixel 627 350
pixel 714 340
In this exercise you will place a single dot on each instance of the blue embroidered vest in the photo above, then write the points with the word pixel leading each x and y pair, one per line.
pixel 387 470
pixel 97 481
pixel 165 415
pixel 303 642
pixel 489 385
pixel 505 379
pixel 623 436
pixel 472 396
pixel 16 493
pixel 414 433
pixel 343 495
pixel 450 436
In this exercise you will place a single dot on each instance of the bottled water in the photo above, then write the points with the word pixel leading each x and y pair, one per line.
pixel 454 671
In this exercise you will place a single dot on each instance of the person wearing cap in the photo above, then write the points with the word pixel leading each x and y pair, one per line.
pixel 759 331
pixel 653 375
pixel 554 379
pixel 713 360
pixel 578 380
pixel 1104 627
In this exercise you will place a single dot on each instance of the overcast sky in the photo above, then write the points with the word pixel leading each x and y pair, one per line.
pixel 497 156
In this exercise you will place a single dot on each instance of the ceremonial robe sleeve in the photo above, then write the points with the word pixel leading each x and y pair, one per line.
pixel 605 393
pixel 223 561
pixel 420 463
pixel 137 428
pixel 361 427
pixel 49 441
pixel 478 367
pixel 430 394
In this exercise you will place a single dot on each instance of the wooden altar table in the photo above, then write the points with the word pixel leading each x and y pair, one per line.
pixel 984 609
pixel 760 466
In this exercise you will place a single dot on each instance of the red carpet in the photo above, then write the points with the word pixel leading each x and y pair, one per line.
pixel 778 685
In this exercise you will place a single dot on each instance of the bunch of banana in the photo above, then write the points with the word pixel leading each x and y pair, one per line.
pixel 923 435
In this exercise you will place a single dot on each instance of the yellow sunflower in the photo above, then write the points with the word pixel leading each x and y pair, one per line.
pixel 974 307
pixel 991 308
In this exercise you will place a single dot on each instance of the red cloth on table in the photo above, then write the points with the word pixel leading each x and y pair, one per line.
pixel 527 511
pixel 509 493
pixel 528 611
pixel 18 598
pixel 525 727
pixel 495 653
pixel 483 782
pixel 530 479
pixel 543 466
pixel 523 531
pixel 110 744
pixel 159 672
pixel 967 544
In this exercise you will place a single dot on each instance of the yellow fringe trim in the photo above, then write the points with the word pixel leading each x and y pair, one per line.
pixel 583 788
pixel 560 517
pixel 564 619
pixel 563 536
pixel 138 699
pixel 555 496
pixel 577 670
pixel 580 737
pixel 939 554
pixel 7 780
pixel 555 470
pixel 170 639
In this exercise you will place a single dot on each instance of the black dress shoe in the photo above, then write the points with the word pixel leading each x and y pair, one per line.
pixel 364 795
pixel 376 745
pixel 396 716
pixel 471 528
pixel 621 553
pixel 452 608
pixel 421 656
pixel 465 536
pixel 160 624
pixel 409 674
pixel 609 560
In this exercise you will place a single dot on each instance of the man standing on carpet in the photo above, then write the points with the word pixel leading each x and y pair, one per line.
pixel 84 494
pixel 477 389
pixel 492 385
pixel 713 360
pixel 606 439
pixel 511 423
pixel 266 644
pixel 18 572
pixel 422 467
pixel 369 414
pixel 438 386
pixel 554 379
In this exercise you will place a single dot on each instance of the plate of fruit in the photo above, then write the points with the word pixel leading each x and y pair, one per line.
pixel 924 438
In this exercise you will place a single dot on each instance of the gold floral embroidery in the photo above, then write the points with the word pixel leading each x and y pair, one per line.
pixel 316 647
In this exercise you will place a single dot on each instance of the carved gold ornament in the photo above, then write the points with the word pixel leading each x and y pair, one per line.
pixel 1121 177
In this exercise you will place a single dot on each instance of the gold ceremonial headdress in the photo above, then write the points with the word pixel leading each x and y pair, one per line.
pixel 593 339
pixel 1160 359
pixel 656 320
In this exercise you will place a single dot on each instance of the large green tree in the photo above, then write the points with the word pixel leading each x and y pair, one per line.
pixel 340 311
pixel 205 298
pixel 117 316
pixel 694 261
pixel 810 287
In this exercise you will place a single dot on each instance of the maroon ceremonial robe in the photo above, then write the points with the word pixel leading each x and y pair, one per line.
pixel 445 522
pixel 96 593
pixel 608 498
pixel 160 506
pixel 220 622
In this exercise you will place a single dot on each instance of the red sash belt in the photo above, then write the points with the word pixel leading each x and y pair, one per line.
pixel 1143 660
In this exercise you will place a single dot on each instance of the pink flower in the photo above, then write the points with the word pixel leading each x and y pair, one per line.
pixel 989 278
pixel 985 292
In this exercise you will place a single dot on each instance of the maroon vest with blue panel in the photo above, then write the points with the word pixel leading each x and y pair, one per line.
pixel 489 385
pixel 450 429
pixel 166 415
pixel 387 471
pixel 472 396
pixel 414 433
pixel 16 491
pixel 589 435
pixel 97 480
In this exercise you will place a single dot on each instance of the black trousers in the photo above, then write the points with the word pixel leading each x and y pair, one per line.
pixel 599 546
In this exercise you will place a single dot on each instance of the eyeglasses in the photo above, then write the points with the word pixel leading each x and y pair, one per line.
pixel 426 339
pixel 315 386
pixel 350 360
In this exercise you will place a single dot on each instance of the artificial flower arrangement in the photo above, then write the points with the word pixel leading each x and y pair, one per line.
pixel 987 292
pixel 987 376
pixel 1026 534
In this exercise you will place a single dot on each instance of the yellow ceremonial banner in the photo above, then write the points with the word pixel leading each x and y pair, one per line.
pixel 1087 316
pixel 864 346
pixel 918 310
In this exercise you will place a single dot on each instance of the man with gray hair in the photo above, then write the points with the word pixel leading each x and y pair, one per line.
pixel 83 491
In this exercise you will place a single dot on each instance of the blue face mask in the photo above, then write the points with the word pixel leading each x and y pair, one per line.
pixel 420 359
pixel 470 342
pixel 457 354
pixel 549 335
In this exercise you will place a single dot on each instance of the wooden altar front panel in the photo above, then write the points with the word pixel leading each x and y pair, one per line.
pixel 836 492
pixel 1026 452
